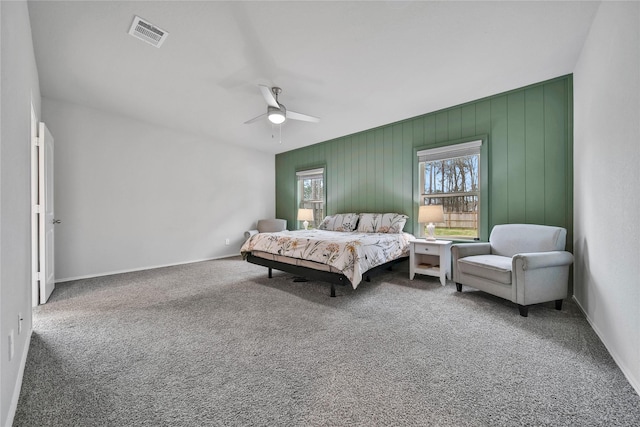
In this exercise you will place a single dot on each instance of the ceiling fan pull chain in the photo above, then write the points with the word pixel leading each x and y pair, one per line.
pixel 273 134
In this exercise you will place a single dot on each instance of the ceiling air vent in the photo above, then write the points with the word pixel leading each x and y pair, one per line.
pixel 147 32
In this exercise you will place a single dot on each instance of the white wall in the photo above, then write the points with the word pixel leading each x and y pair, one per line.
pixel 606 181
pixel 132 195
pixel 19 85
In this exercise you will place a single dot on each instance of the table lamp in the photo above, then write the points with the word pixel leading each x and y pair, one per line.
pixel 428 214
pixel 305 215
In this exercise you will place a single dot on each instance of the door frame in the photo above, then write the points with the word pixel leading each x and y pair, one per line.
pixel 46 213
pixel 42 220
pixel 35 234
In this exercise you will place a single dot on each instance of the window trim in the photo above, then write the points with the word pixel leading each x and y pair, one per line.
pixel 450 151
pixel 457 146
pixel 310 172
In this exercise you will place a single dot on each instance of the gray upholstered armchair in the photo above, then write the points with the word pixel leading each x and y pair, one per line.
pixel 524 263
pixel 267 226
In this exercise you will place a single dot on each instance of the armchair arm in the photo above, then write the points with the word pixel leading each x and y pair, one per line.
pixel 461 250
pixel 541 276
pixel 530 261
pixel 250 233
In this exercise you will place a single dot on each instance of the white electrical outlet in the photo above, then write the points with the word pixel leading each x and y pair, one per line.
pixel 11 350
pixel 226 242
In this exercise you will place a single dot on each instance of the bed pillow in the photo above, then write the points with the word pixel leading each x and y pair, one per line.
pixel 339 222
pixel 381 223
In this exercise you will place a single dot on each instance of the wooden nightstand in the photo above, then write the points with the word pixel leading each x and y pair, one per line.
pixel 430 257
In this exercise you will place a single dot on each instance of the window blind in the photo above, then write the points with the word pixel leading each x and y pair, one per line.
pixel 450 151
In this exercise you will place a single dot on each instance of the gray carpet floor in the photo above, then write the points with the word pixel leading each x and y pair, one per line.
pixel 218 343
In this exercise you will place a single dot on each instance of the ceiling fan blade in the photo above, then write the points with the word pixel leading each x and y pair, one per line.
pixel 268 96
pixel 255 119
pixel 299 116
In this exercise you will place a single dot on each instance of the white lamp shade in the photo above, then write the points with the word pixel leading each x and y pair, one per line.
pixel 430 213
pixel 305 214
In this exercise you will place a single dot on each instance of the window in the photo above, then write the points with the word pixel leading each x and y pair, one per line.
pixel 311 193
pixel 450 176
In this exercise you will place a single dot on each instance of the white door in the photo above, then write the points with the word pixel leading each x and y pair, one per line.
pixel 46 219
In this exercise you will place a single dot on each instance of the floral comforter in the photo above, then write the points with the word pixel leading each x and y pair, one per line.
pixel 353 253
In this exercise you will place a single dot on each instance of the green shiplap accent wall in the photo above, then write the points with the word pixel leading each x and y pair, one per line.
pixel 530 170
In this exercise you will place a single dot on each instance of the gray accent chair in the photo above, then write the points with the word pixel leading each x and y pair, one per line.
pixel 267 226
pixel 524 263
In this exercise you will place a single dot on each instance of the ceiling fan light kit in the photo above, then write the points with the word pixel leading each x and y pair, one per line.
pixel 276 112
pixel 277 115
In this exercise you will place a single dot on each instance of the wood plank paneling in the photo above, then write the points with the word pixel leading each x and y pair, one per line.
pixel 468 121
pixel 483 127
pixel 516 158
pixel 342 161
pixel 359 171
pixel 455 124
pixel 442 126
pixel 370 184
pixel 387 168
pixel 555 135
pixel 334 189
pixel 408 138
pixel 528 162
pixel 378 195
pixel 483 117
pixel 361 188
pixel 347 174
pixel 429 132
pixel 396 184
pixel 534 154
pixel 499 161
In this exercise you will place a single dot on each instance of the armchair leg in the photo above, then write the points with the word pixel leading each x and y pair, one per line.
pixel 459 287
pixel 558 304
pixel 524 310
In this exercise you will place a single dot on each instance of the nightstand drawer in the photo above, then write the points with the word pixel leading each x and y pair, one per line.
pixel 427 249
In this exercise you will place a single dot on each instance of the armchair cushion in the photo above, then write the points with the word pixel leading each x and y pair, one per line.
pixel 492 267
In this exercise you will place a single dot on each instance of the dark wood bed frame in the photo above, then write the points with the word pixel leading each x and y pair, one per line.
pixel 324 276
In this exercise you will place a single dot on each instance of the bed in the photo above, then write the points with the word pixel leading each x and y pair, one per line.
pixel 335 252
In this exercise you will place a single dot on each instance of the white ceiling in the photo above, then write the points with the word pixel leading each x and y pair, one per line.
pixel 356 65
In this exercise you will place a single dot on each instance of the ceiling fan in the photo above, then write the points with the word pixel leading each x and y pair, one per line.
pixel 276 112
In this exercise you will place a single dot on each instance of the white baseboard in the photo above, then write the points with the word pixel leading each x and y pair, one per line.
pixel 18 386
pixel 151 267
pixel 635 382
